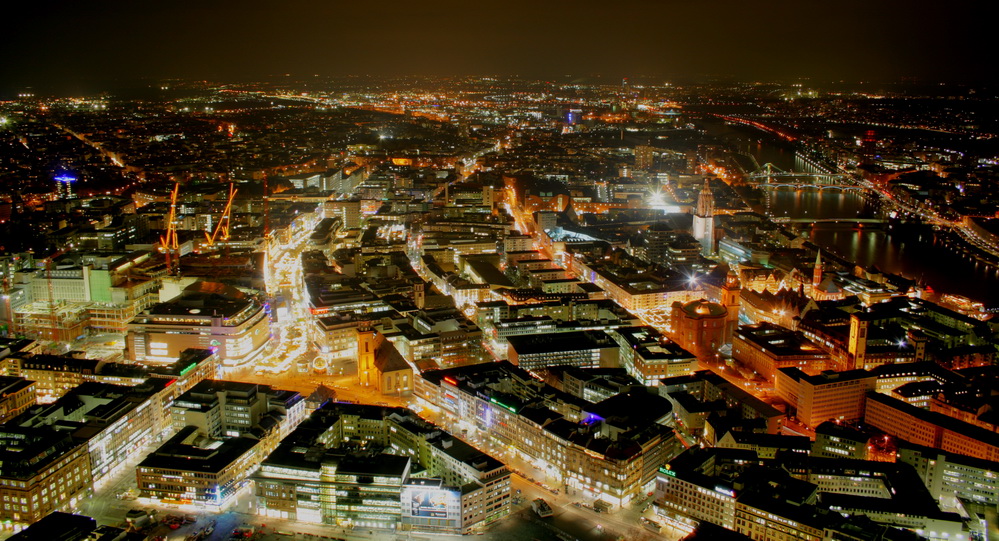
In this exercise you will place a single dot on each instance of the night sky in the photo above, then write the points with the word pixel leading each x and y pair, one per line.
pixel 89 44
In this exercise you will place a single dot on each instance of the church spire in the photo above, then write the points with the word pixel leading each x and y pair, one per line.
pixel 817 271
pixel 704 228
pixel 706 201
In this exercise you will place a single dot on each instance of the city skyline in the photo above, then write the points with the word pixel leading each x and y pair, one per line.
pixel 89 46
pixel 644 271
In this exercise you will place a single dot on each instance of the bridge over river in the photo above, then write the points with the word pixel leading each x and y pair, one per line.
pixel 771 176
pixel 844 221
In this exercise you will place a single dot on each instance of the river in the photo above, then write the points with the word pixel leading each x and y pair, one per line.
pixel 913 251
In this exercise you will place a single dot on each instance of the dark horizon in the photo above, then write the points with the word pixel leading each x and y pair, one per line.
pixel 62 46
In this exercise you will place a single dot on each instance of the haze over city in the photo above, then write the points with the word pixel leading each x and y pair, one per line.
pixel 94 46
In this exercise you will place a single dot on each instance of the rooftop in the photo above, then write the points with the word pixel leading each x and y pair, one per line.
pixel 187 451
pixel 778 340
pixel 527 344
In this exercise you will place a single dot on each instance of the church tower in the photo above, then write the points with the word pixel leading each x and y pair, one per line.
pixel 420 294
pixel 731 294
pixel 860 323
pixel 368 340
pixel 704 219
pixel 817 275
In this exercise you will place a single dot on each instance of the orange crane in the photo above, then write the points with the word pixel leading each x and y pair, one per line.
pixel 169 240
pixel 223 225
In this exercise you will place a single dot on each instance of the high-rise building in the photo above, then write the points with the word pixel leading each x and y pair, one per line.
pixel 704 219
pixel 64 185
pixel 657 241
pixel 348 210
pixel 644 157
pixel 868 148
pixel 690 161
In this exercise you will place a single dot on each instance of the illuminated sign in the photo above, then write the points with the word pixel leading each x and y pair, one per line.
pixel 726 491
pixel 450 402
pixel 667 471
pixel 498 403
pixel 430 502
pixel 188 369
pixel 450 380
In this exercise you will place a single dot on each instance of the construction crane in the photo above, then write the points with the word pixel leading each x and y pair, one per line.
pixel 169 240
pixel 222 228
pixel 267 216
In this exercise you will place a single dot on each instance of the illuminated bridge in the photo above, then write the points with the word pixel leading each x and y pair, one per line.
pixel 847 221
pixel 771 176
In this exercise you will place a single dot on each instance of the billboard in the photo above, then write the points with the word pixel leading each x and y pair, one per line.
pixel 423 502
